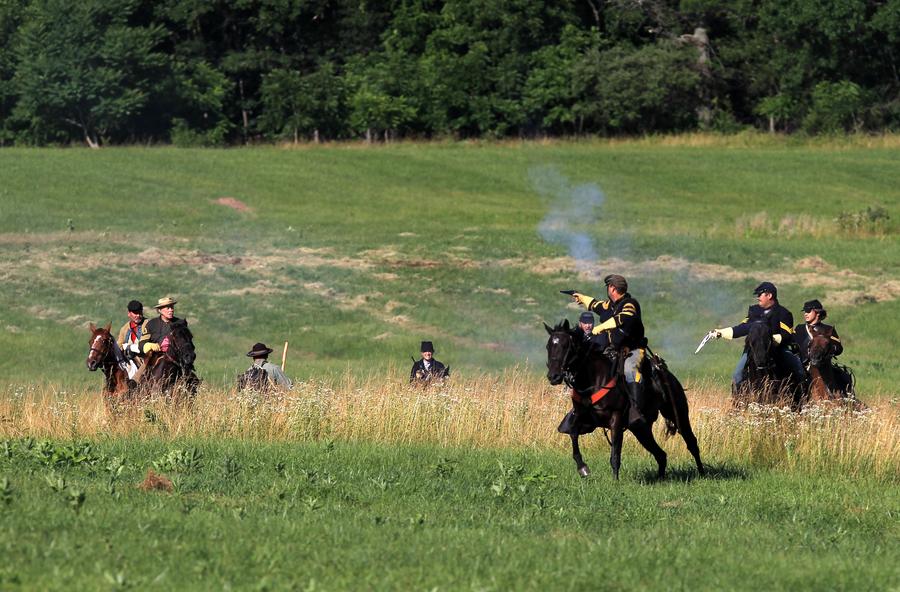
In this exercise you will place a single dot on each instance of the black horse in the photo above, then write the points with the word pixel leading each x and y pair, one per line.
pixel 765 381
pixel 173 371
pixel 599 399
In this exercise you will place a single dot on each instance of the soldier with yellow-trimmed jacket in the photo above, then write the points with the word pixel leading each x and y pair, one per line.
pixel 620 323
pixel 780 322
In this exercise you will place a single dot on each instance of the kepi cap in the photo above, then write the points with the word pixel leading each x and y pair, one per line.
pixel 586 317
pixel 766 287
pixel 427 346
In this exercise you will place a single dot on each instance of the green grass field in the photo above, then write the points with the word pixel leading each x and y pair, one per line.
pixel 354 255
pixel 348 517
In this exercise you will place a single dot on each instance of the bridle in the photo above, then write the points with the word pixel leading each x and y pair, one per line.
pixel 571 357
pixel 104 338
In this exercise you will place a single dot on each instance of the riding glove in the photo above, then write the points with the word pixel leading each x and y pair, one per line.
pixel 583 300
pixel 150 346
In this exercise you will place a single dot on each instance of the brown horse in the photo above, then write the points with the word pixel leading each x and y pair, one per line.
pixel 827 382
pixel 102 355
pixel 599 399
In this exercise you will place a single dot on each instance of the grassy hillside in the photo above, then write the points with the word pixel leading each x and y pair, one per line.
pixel 354 255
pixel 331 516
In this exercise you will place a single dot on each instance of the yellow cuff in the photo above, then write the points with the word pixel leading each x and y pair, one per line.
pixel 150 346
pixel 583 299
pixel 727 333
pixel 606 325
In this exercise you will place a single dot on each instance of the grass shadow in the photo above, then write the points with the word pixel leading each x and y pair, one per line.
pixel 688 473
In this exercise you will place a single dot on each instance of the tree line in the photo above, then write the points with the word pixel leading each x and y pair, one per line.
pixel 217 72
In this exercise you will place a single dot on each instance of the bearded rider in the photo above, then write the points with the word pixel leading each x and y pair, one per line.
pixel 621 326
pixel 780 321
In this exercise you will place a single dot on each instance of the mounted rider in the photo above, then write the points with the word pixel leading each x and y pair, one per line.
pixel 129 338
pixel 814 314
pixel 779 320
pixel 155 332
pixel 622 328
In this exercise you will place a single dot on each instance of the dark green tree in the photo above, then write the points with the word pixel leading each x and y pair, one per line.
pixel 83 70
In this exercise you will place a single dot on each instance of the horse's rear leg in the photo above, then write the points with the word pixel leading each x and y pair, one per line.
pixel 690 440
pixel 615 444
pixel 644 435
pixel 583 469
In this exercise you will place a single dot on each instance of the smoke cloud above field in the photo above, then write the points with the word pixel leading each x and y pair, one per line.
pixel 571 211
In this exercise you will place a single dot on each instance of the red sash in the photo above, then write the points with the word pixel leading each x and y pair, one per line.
pixel 604 390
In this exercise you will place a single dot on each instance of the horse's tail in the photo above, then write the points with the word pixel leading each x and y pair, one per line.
pixel 672 394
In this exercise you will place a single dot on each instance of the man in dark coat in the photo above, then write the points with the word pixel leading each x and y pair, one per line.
pixel 427 368
pixel 154 332
pixel 622 328
pixel 780 322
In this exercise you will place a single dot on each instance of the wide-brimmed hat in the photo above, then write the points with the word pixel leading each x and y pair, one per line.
pixel 259 350
pixel 427 346
pixel 616 281
pixel 166 301
pixel 586 317
pixel 135 306
pixel 766 287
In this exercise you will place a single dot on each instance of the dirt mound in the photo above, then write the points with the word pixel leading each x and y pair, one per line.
pixel 156 482
pixel 233 203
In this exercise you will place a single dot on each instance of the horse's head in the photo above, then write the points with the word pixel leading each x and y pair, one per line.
pixel 181 344
pixel 100 344
pixel 562 349
pixel 820 347
pixel 760 341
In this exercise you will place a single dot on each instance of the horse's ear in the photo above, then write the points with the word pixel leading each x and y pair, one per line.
pixel 548 328
pixel 93 327
pixel 108 326
pixel 566 325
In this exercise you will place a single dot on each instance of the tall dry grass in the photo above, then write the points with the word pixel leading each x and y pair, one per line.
pixel 511 410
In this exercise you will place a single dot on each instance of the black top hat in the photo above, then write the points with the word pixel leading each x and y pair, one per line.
pixel 259 351
pixel 766 287
pixel 135 306
pixel 586 317
pixel 427 346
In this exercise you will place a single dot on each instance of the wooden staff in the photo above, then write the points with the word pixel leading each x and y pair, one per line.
pixel 284 356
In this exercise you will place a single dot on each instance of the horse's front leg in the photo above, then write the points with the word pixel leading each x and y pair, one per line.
pixel 583 469
pixel 617 431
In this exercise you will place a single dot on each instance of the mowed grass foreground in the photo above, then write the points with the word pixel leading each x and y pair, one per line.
pixel 350 485
pixel 355 255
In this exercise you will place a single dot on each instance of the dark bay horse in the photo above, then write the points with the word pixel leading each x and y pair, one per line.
pixel 102 355
pixel 827 381
pixel 765 382
pixel 172 371
pixel 599 399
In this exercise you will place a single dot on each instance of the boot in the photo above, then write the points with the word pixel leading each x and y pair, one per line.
pixel 636 396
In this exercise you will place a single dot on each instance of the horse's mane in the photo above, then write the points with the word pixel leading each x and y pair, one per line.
pixel 181 331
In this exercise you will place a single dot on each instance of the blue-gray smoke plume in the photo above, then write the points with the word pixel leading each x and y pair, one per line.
pixel 571 212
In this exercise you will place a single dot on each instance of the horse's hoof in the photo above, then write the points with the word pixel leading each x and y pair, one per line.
pixel 584 471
